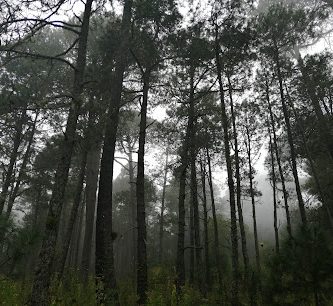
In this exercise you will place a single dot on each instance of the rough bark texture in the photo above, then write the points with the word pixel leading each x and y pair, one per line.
pixel 104 236
pixel 233 218
pixel 40 291
pixel 290 139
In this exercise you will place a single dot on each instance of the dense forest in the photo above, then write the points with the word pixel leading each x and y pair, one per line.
pixel 164 152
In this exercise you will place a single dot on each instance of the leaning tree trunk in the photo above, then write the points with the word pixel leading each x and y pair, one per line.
pixel 233 217
pixel 40 289
pixel 278 160
pixel 290 138
pixel 104 237
pixel 142 274
pixel 216 231
pixel 25 161
pixel 13 157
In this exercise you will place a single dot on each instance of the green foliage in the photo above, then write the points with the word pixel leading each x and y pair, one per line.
pixel 10 292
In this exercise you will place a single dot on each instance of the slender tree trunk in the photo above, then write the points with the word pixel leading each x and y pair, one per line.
pixel 290 140
pixel 238 185
pixel 255 231
pixel 13 157
pixel 273 179
pixel 194 184
pixel 216 231
pixel 25 161
pixel 205 221
pixel 233 232
pixel 161 234
pixel 104 237
pixel 142 277
pixel 192 244
pixel 180 261
pixel 40 291
pixel 133 210
pixel 278 160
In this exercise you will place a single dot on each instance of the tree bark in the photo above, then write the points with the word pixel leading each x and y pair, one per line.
pixel 216 231
pixel 238 186
pixel 255 231
pixel 25 161
pixel 104 237
pixel 13 157
pixel 205 221
pixel 278 160
pixel 233 232
pixel 142 274
pixel 273 179
pixel 161 233
pixel 290 139
pixel 40 291
pixel 194 184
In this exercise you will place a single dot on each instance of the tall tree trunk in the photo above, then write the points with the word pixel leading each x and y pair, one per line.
pixel 194 184
pixel 142 277
pixel 192 243
pixel 180 261
pixel 25 161
pixel 132 183
pixel 161 233
pixel 92 171
pixel 216 231
pixel 255 231
pixel 13 157
pixel 40 291
pixel 273 179
pixel 104 237
pixel 205 221
pixel 73 216
pixel 290 139
pixel 278 160
pixel 233 217
pixel 238 184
